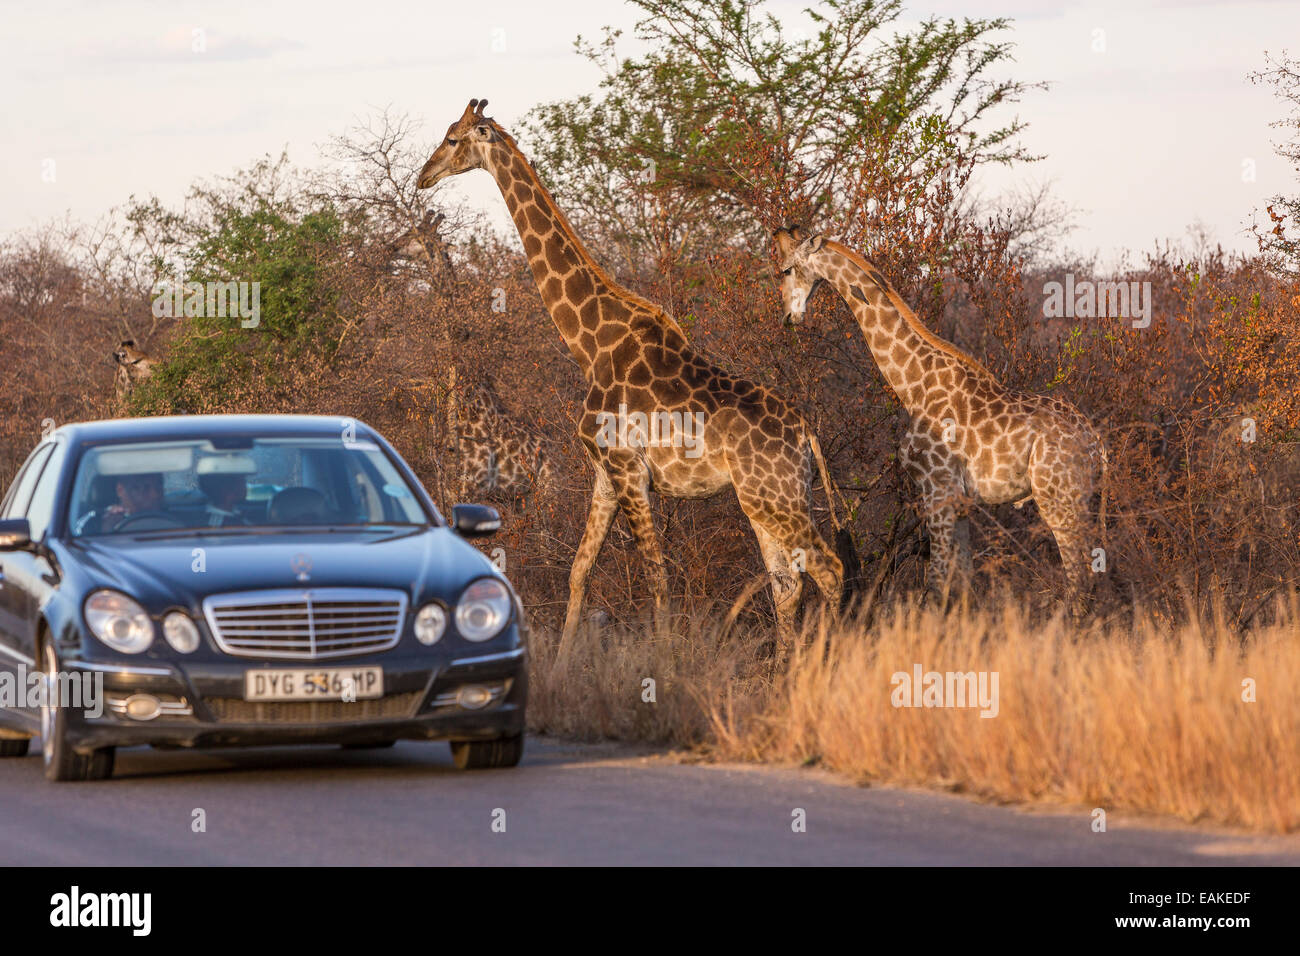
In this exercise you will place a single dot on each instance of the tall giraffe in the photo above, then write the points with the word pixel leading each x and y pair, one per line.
pixel 969 438
pixel 642 374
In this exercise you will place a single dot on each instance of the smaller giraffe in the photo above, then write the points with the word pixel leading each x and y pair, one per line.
pixel 133 366
pixel 969 438
pixel 493 453
pixel 422 242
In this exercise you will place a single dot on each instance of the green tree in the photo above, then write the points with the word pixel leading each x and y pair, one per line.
pixel 251 228
pixel 732 122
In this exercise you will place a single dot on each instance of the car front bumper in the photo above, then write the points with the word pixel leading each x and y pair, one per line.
pixel 205 706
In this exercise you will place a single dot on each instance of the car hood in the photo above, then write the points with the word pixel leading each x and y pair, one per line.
pixel 173 570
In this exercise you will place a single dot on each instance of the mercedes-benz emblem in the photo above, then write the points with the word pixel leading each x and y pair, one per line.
pixel 301 565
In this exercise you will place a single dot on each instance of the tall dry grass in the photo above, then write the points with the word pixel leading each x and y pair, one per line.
pixel 1134 716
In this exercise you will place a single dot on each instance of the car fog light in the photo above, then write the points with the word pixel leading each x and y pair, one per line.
pixel 474 696
pixel 143 706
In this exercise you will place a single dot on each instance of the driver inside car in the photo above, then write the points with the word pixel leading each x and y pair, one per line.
pixel 136 494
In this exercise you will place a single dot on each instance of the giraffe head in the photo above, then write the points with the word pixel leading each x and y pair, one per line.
pixel 799 280
pixel 125 353
pixel 468 145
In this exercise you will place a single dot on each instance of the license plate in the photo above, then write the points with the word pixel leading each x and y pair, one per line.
pixel 328 683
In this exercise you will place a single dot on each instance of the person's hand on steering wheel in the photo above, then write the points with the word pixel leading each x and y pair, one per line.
pixel 154 514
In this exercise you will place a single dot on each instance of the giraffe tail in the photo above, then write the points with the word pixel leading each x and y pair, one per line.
pixel 844 547
pixel 816 447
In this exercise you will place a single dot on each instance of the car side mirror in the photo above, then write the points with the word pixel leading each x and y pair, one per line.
pixel 475 521
pixel 15 534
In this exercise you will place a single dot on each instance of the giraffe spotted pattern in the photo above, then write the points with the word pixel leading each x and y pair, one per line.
pixel 493 454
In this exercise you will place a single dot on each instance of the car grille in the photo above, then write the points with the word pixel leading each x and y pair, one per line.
pixel 306 624
pixel 234 710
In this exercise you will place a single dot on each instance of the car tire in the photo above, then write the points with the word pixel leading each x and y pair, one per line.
pixel 487 754
pixel 15 748
pixel 61 761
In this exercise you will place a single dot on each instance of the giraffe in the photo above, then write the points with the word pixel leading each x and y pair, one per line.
pixel 133 366
pixel 968 438
pixel 642 375
pixel 493 453
pixel 422 241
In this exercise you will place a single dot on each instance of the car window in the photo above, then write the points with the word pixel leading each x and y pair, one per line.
pixel 41 508
pixel 238 483
pixel 21 490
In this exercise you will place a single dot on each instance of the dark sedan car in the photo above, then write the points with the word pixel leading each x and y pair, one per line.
pixel 237 580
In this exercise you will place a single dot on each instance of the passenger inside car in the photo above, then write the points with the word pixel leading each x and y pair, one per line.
pixel 225 492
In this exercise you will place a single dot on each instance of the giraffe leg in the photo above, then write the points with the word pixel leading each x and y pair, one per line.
pixel 633 491
pixel 604 505
pixel 964 565
pixel 937 475
pixel 790 541
pixel 1063 492
pixel 949 528
pixel 786 579
pixel 820 561
pixel 945 564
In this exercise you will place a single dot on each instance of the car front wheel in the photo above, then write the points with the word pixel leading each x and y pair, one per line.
pixel 487 754
pixel 61 761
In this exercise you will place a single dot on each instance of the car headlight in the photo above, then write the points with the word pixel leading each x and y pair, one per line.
pixel 180 632
pixel 118 621
pixel 430 623
pixel 483 609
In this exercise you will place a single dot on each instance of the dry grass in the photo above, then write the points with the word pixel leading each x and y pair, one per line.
pixel 1136 716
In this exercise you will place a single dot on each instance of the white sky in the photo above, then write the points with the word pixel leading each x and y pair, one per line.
pixel 1144 138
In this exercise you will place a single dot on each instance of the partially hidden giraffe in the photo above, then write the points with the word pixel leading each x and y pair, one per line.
pixel 492 453
pixel 968 438
pixel 133 365
pixel 643 376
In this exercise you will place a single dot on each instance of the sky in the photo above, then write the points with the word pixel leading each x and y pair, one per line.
pixel 1150 124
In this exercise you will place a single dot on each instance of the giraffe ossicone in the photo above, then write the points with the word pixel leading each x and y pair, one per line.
pixel 636 359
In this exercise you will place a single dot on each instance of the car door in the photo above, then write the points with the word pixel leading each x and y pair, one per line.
pixel 29 575
pixel 15 609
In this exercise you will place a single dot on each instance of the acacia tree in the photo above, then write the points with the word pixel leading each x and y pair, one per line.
pixel 1279 241
pixel 732 122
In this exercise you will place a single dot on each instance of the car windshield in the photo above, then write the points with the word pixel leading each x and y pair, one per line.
pixel 238 483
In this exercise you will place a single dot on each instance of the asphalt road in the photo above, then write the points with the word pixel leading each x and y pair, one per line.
pixel 566 804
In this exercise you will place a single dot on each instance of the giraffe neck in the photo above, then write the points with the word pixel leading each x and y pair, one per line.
pixel 569 279
pixel 909 355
